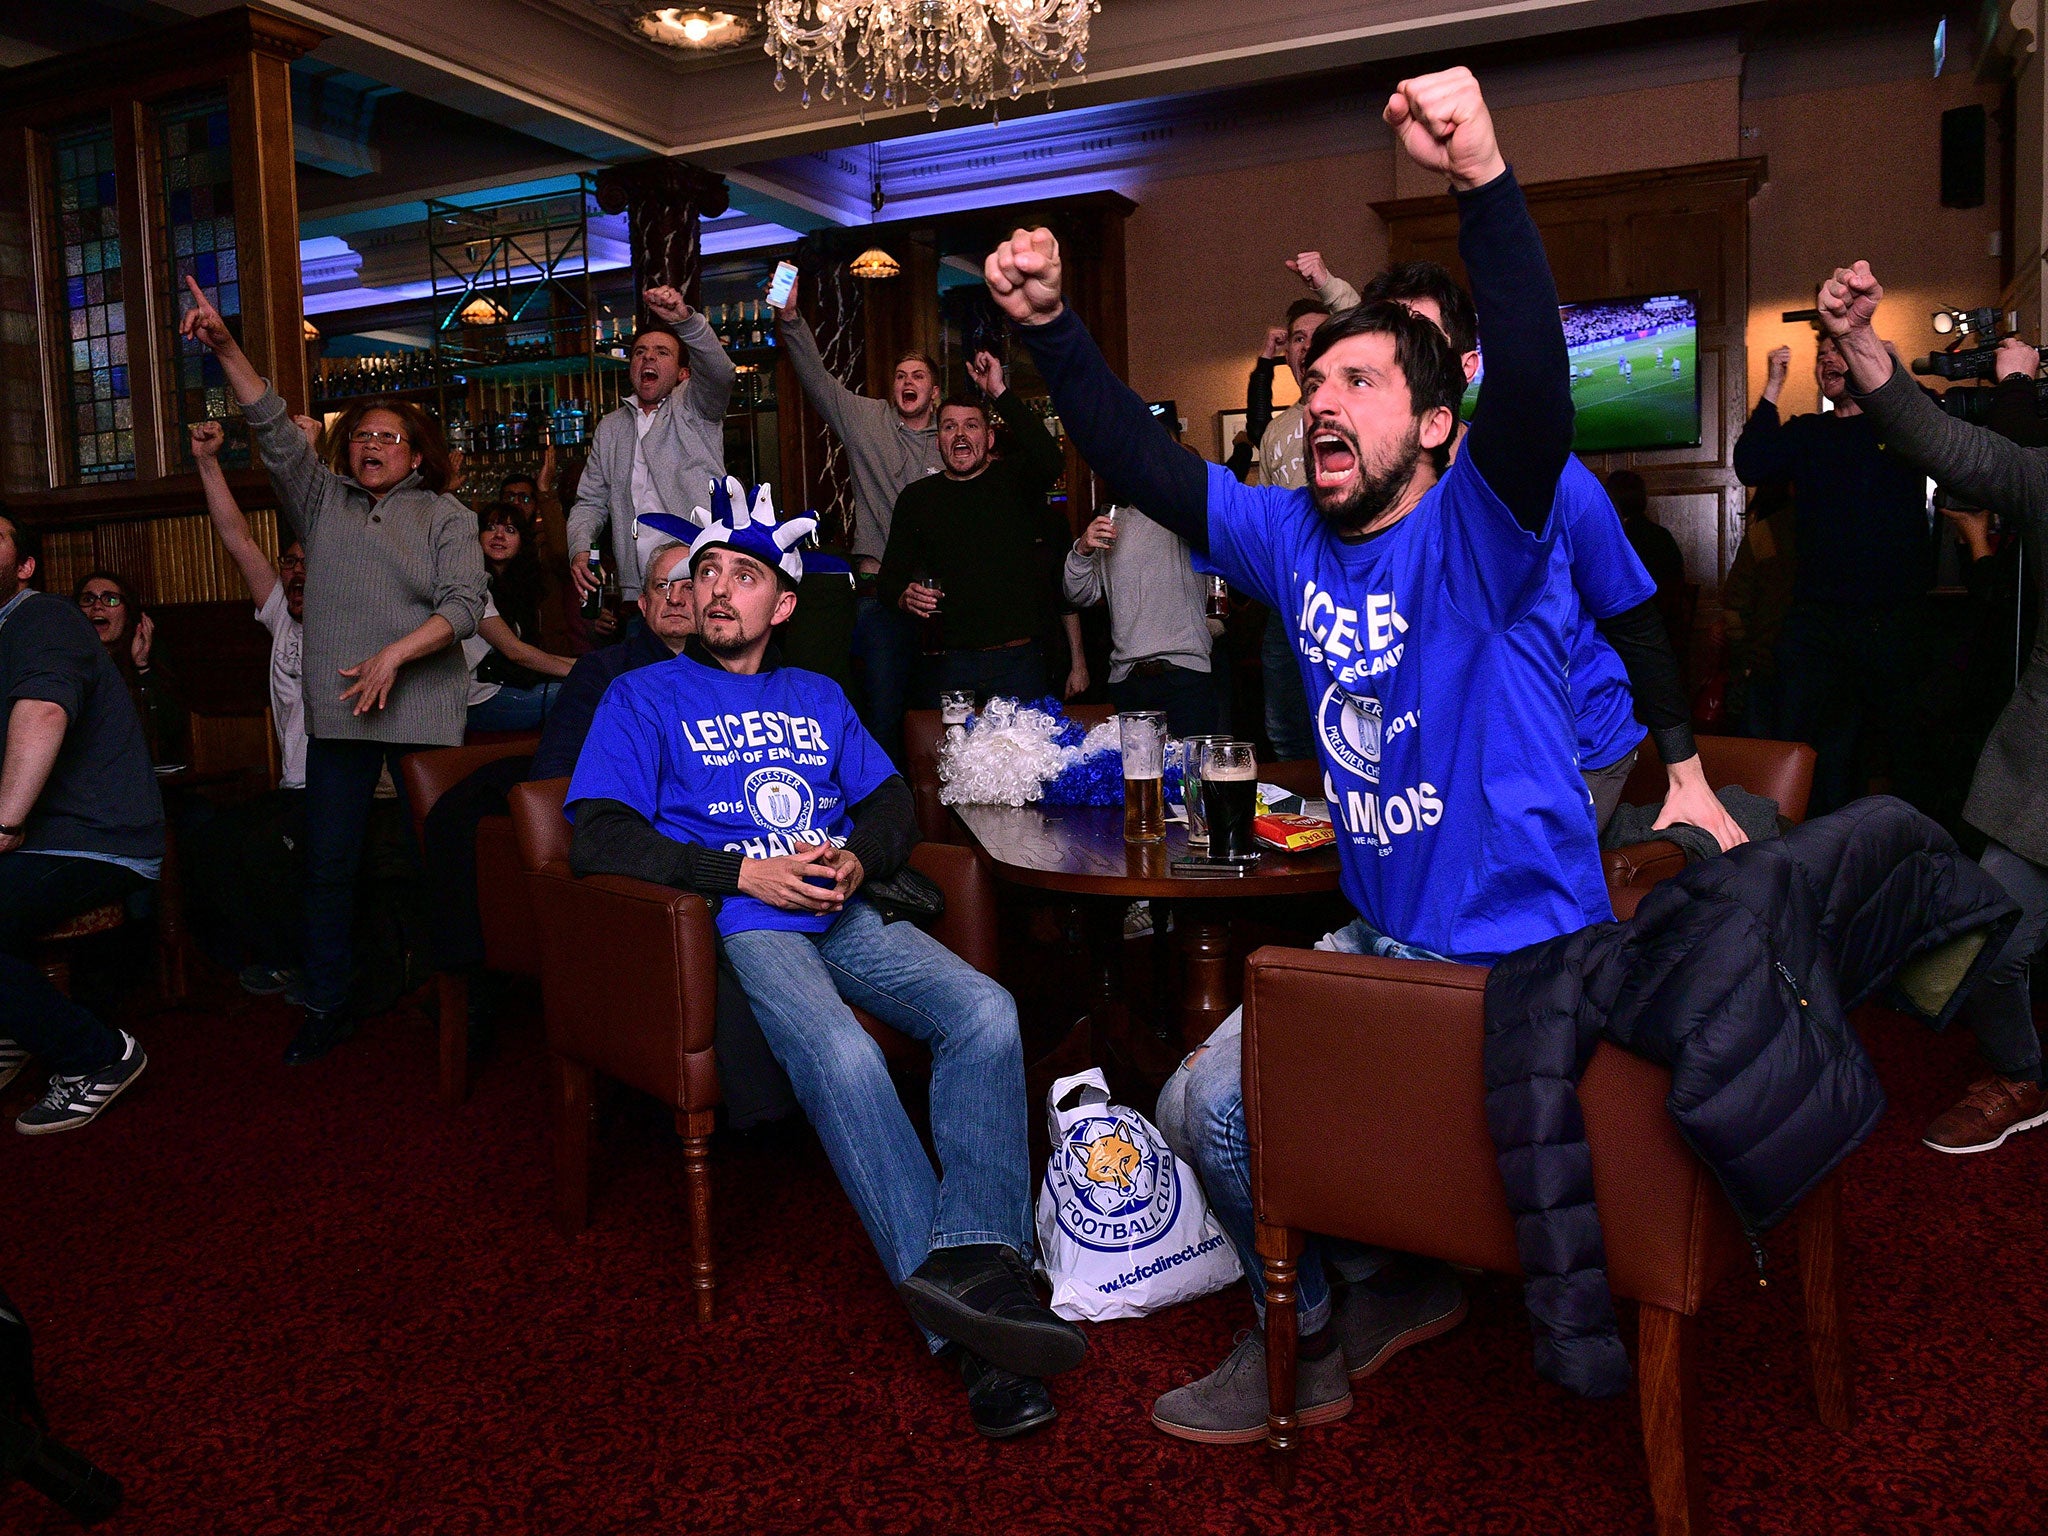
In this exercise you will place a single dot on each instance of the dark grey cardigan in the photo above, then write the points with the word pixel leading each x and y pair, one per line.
pixel 375 572
pixel 2009 797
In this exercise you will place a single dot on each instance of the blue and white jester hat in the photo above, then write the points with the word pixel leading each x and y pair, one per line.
pixel 748 528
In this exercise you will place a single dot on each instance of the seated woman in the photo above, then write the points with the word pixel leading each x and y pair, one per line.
pixel 513 682
pixel 125 629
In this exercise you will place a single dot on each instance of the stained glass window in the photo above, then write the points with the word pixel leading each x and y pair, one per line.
pixel 101 419
pixel 199 232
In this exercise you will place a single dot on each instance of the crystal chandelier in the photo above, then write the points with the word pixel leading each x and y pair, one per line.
pixel 952 52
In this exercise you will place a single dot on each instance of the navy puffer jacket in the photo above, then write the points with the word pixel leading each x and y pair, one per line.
pixel 1738 975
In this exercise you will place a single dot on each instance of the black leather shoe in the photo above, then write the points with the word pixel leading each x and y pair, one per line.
pixel 319 1034
pixel 1003 1404
pixel 980 1297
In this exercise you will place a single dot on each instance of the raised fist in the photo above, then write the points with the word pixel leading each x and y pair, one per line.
pixel 986 369
pixel 1309 267
pixel 1849 299
pixel 1779 363
pixel 1442 122
pixel 309 429
pixel 1276 342
pixel 1023 275
pixel 666 304
pixel 207 438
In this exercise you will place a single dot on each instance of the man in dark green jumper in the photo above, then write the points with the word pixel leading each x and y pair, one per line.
pixel 983 531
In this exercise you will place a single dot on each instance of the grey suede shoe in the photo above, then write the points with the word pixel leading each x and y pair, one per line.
pixel 1228 1406
pixel 1373 1328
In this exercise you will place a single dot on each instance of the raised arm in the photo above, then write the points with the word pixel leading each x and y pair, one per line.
pixel 709 391
pixel 1764 452
pixel 1972 461
pixel 229 525
pixel 1037 457
pixel 828 397
pixel 1258 389
pixel 1136 457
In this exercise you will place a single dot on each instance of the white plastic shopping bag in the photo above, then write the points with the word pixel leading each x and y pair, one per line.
pixel 1123 1227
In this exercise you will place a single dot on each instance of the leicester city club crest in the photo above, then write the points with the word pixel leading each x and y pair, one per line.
pixel 1119 1189
pixel 1351 728
pixel 779 800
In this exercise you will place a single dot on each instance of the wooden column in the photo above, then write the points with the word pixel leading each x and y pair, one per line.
pixel 665 203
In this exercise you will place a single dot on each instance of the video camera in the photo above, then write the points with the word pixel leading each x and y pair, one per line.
pixel 1960 362
pixel 56 1471
pixel 1973 404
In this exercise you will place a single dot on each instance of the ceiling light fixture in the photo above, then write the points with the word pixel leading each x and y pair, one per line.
pixel 951 52
pixel 874 262
pixel 481 311
pixel 695 27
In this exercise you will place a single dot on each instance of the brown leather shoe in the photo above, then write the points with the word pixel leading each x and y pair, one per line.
pixel 1992 1110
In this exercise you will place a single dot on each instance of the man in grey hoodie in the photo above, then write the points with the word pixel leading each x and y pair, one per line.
pixel 889 443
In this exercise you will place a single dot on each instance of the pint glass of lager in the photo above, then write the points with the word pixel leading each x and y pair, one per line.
pixel 1142 735
pixel 1230 797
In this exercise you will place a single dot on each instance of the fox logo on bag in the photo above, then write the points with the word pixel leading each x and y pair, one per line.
pixel 1115 1196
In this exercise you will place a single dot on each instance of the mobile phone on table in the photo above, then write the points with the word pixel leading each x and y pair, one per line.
pixel 782 285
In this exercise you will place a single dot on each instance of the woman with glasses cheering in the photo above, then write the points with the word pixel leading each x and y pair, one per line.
pixel 395 579
pixel 126 630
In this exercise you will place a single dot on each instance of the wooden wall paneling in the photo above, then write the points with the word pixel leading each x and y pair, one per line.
pixel 46 273
pixel 267 222
pixel 135 158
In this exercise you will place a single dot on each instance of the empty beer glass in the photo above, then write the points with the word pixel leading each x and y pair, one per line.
pixel 1192 750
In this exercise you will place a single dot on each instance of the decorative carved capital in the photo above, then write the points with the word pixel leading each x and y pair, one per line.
pixel 671 182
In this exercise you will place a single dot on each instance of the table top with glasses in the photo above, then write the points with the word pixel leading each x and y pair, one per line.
pixel 1080 850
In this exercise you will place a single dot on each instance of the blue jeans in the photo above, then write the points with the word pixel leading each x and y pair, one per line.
pixel 1201 1114
pixel 515 709
pixel 885 651
pixel 341 784
pixel 800 985
pixel 39 891
pixel 1288 725
pixel 2001 1011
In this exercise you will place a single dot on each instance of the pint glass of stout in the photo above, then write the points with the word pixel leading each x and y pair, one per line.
pixel 1142 735
pixel 1230 797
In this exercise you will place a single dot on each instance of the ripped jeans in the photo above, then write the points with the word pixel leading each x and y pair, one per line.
pixel 1201 1114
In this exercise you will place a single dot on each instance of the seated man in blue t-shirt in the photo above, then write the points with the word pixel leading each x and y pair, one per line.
pixel 1433 614
pixel 758 788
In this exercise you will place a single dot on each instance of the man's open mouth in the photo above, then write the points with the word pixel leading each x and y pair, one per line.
pixel 1335 459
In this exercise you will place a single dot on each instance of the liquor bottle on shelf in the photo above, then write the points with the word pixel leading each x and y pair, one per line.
pixel 754 335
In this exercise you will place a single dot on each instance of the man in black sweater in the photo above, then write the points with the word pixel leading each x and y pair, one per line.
pixel 81 826
pixel 984 531
pixel 1847 653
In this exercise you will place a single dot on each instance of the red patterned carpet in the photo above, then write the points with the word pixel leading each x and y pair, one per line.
pixel 310 1301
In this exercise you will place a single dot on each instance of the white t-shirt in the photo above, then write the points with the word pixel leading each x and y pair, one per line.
pixel 475 649
pixel 287 686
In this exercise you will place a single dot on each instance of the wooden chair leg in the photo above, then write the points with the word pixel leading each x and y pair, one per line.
pixel 694 1126
pixel 572 1146
pixel 56 970
pixel 1669 1384
pixel 1822 1269
pixel 452 989
pixel 1280 1249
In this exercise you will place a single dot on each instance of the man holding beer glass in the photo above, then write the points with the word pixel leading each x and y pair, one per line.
pixel 1432 612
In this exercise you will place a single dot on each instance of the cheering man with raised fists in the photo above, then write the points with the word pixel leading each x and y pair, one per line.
pixel 1432 615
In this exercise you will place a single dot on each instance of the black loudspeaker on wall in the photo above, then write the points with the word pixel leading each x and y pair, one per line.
pixel 1962 157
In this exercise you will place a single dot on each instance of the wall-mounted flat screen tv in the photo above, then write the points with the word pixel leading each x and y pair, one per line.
pixel 1635 372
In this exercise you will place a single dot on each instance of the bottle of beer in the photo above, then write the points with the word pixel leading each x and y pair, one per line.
pixel 593 601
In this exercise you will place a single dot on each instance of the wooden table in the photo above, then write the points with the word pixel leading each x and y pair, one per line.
pixel 1079 851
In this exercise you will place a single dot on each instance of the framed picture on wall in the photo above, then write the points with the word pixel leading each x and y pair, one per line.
pixel 1228 425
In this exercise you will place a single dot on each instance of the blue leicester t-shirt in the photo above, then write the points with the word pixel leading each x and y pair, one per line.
pixel 1435 658
pixel 756 765
pixel 1610 579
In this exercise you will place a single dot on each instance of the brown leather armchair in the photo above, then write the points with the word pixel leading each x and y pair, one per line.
pixel 1365 1103
pixel 1777 770
pixel 502 901
pixel 629 977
